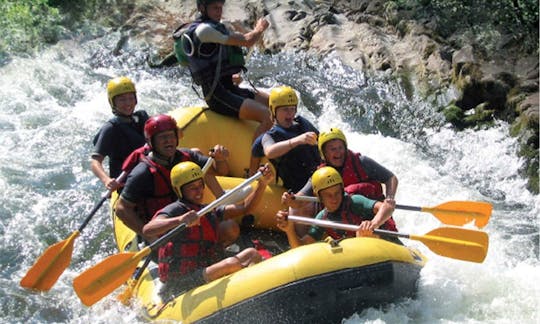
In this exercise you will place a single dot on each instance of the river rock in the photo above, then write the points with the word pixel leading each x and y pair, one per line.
pixel 375 36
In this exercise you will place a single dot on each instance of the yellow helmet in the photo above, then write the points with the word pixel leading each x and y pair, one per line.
pixel 118 86
pixel 282 96
pixel 184 173
pixel 332 134
pixel 325 177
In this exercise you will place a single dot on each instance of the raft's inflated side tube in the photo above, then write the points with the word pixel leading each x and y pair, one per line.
pixel 204 129
pixel 125 238
pixel 307 284
pixel 264 215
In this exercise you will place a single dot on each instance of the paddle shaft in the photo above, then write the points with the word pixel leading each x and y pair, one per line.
pixel 452 213
pixel 101 279
pixel 315 199
pixel 411 208
pixel 346 227
pixel 104 197
pixel 165 238
pixel 452 242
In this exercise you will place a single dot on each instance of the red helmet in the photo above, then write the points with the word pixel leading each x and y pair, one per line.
pixel 158 124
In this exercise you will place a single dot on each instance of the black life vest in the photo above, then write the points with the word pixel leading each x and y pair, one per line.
pixel 205 59
pixel 127 137
pixel 296 166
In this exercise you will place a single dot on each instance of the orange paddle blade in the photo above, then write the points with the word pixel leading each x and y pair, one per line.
pixel 456 243
pixel 50 265
pixel 462 212
pixel 103 278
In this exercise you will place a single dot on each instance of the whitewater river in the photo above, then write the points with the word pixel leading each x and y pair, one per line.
pixel 51 105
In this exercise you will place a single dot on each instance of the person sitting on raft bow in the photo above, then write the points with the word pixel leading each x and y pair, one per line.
pixel 214 58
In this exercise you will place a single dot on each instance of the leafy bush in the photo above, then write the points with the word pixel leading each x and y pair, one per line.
pixel 518 18
pixel 26 24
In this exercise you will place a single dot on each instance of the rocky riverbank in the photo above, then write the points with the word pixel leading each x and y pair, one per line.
pixel 496 84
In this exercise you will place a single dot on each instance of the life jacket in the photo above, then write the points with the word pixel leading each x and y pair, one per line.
pixel 356 180
pixel 127 137
pixel 296 166
pixel 348 217
pixel 206 61
pixel 135 157
pixel 163 193
pixel 196 247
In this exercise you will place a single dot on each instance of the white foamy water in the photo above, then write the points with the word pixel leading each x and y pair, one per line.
pixel 52 105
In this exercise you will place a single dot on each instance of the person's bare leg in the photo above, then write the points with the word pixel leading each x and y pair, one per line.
pixel 232 264
pixel 262 97
pixel 254 110
pixel 229 231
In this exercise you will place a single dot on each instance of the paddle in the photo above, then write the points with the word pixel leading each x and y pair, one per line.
pixel 52 263
pixel 452 213
pixel 453 242
pixel 125 296
pixel 103 278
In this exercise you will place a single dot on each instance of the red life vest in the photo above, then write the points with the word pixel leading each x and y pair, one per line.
pixel 134 158
pixel 356 181
pixel 163 193
pixel 348 217
pixel 196 247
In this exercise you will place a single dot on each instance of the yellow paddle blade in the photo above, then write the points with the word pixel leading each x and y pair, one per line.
pixel 456 243
pixel 50 265
pixel 462 212
pixel 103 278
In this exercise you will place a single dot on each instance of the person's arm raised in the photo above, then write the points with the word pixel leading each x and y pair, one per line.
pixel 249 39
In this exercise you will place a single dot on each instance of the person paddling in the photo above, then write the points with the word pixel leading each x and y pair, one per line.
pixel 196 256
pixel 215 59
pixel 148 187
pixel 340 207
pixel 119 136
pixel 361 174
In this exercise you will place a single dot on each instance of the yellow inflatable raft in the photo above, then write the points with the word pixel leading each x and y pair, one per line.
pixel 203 129
pixel 317 283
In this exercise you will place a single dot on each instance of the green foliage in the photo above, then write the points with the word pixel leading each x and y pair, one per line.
pixel 481 18
pixel 26 24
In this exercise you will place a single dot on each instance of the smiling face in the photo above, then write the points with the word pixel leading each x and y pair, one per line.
pixel 331 197
pixel 125 103
pixel 335 153
pixel 193 191
pixel 165 143
pixel 285 116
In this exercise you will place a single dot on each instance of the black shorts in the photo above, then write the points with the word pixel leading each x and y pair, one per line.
pixel 227 98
